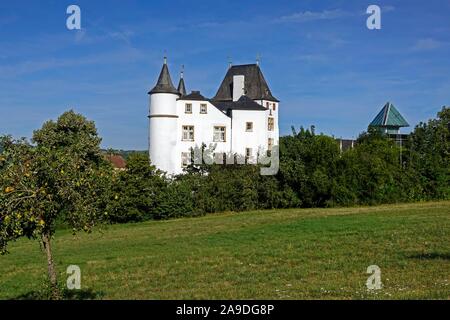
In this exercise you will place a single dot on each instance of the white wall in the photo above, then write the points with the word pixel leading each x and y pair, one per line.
pixel 163 131
pixel 167 116
pixel 203 128
pixel 275 134
pixel 256 139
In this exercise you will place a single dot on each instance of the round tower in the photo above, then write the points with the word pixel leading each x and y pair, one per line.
pixel 163 123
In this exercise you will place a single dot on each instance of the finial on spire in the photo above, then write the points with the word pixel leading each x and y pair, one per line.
pixel 258 58
pixel 165 56
pixel 182 71
pixel 229 62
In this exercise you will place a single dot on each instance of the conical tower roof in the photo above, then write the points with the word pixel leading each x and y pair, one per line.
pixel 181 86
pixel 389 117
pixel 164 84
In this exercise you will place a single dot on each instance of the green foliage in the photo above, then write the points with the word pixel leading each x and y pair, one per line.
pixel 430 155
pixel 308 166
pixel 62 177
pixel 135 191
pixel 65 174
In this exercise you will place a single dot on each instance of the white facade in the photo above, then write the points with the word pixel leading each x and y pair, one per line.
pixel 181 122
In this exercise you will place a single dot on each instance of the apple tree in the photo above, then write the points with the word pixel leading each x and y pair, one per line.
pixel 60 176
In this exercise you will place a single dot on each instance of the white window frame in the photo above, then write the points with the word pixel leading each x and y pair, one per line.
pixel 271 126
pixel 220 135
pixel 247 128
pixel 187 133
pixel 248 154
pixel 188 108
pixel 270 143
pixel 205 110
pixel 186 159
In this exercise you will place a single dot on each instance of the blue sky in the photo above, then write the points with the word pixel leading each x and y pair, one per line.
pixel 318 57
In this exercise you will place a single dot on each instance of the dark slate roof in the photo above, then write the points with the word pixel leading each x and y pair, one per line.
pixel 244 103
pixel 181 87
pixel 164 84
pixel 256 87
pixel 194 95
pixel 389 117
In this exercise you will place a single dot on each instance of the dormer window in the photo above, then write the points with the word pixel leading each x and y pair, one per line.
pixel 188 108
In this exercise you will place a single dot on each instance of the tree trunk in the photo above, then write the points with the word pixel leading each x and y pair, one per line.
pixel 51 266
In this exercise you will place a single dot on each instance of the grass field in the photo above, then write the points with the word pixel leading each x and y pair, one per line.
pixel 279 254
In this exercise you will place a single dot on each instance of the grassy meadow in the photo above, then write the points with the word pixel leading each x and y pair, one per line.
pixel 273 254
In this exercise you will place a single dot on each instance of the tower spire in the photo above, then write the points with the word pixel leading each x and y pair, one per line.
pixel 164 84
pixel 181 86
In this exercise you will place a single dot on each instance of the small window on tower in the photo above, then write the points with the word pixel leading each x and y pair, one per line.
pixel 271 124
pixel 270 144
pixel 267 105
pixel 274 106
pixel 188 108
pixel 203 108
pixel 249 126
pixel 188 133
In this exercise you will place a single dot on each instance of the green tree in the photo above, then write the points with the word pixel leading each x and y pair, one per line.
pixel 430 155
pixel 308 166
pixel 62 176
pixel 136 190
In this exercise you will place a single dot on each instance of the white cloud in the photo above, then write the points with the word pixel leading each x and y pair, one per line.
pixel 387 9
pixel 126 55
pixel 307 16
pixel 427 44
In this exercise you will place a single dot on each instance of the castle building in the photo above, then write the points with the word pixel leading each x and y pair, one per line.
pixel 241 119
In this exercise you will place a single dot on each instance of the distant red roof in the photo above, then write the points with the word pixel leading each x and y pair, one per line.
pixel 117 161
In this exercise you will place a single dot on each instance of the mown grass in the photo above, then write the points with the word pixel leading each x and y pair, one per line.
pixel 278 254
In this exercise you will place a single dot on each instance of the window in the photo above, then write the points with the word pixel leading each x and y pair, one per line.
pixel 219 134
pixel 270 144
pixel 220 158
pixel 271 124
pixel 185 159
pixel 274 106
pixel 188 133
pixel 267 105
pixel 188 108
pixel 203 108
pixel 249 126
pixel 248 154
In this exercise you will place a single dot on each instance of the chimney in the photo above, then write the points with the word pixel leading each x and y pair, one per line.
pixel 238 87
